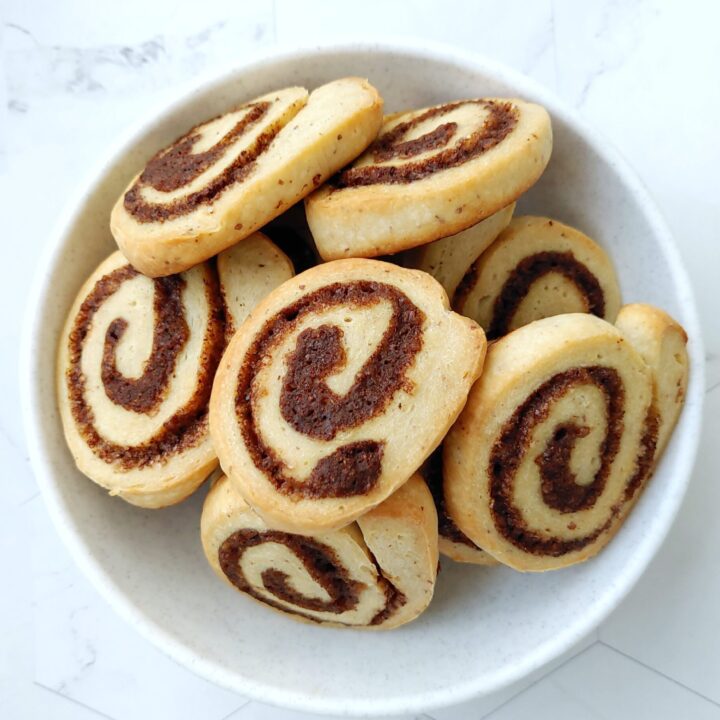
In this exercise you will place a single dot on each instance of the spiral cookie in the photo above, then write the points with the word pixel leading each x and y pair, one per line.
pixel 227 177
pixel 248 271
pixel 449 258
pixel 536 268
pixel 431 173
pixel 661 343
pixel 338 386
pixel 452 541
pixel 554 443
pixel 378 573
pixel 135 368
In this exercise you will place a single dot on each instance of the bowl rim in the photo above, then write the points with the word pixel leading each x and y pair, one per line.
pixel 71 533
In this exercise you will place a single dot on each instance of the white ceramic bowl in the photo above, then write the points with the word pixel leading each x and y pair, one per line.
pixel 485 627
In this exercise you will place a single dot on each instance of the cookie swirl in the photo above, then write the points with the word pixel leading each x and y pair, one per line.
pixel 537 267
pixel 136 366
pixel 135 372
pixel 430 174
pixel 453 147
pixel 559 488
pixel 311 407
pixel 569 428
pixel 228 176
pixel 303 407
pixel 179 167
pixel 353 577
pixel 144 394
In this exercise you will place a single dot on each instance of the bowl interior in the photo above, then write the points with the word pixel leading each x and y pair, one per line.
pixel 485 627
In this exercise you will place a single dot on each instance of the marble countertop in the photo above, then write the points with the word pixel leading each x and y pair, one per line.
pixel 74 74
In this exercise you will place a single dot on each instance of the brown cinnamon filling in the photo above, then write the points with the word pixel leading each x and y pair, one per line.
pixel 308 404
pixel 432 474
pixel 559 486
pixel 319 560
pixel 394 600
pixel 188 426
pixel 527 271
pixel 170 334
pixel 500 122
pixel 648 446
pixel 388 146
pixel 558 483
pixel 177 166
pixel 352 469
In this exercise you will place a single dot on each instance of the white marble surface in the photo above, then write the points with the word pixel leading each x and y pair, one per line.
pixel 73 74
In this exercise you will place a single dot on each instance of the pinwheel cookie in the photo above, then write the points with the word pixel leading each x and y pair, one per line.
pixel 228 176
pixel 537 267
pixel 336 388
pixel 136 364
pixel 558 438
pixel 378 573
pixel 431 173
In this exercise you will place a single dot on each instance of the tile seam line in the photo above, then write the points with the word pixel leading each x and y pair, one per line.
pixel 658 672
pixel 236 710
pixel 99 713
pixel 545 676
pixel 28 500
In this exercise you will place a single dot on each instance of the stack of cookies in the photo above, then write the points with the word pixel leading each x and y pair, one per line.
pixel 354 418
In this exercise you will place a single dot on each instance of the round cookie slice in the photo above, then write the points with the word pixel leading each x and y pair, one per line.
pixel 136 364
pixel 537 267
pixel 554 444
pixel 430 174
pixel 229 176
pixel 378 573
pixel 336 388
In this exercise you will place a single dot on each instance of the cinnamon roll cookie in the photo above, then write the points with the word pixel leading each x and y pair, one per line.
pixel 338 386
pixel 449 258
pixel 136 364
pixel 135 368
pixel 378 573
pixel 537 267
pixel 227 177
pixel 554 444
pixel 431 173
pixel 452 541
